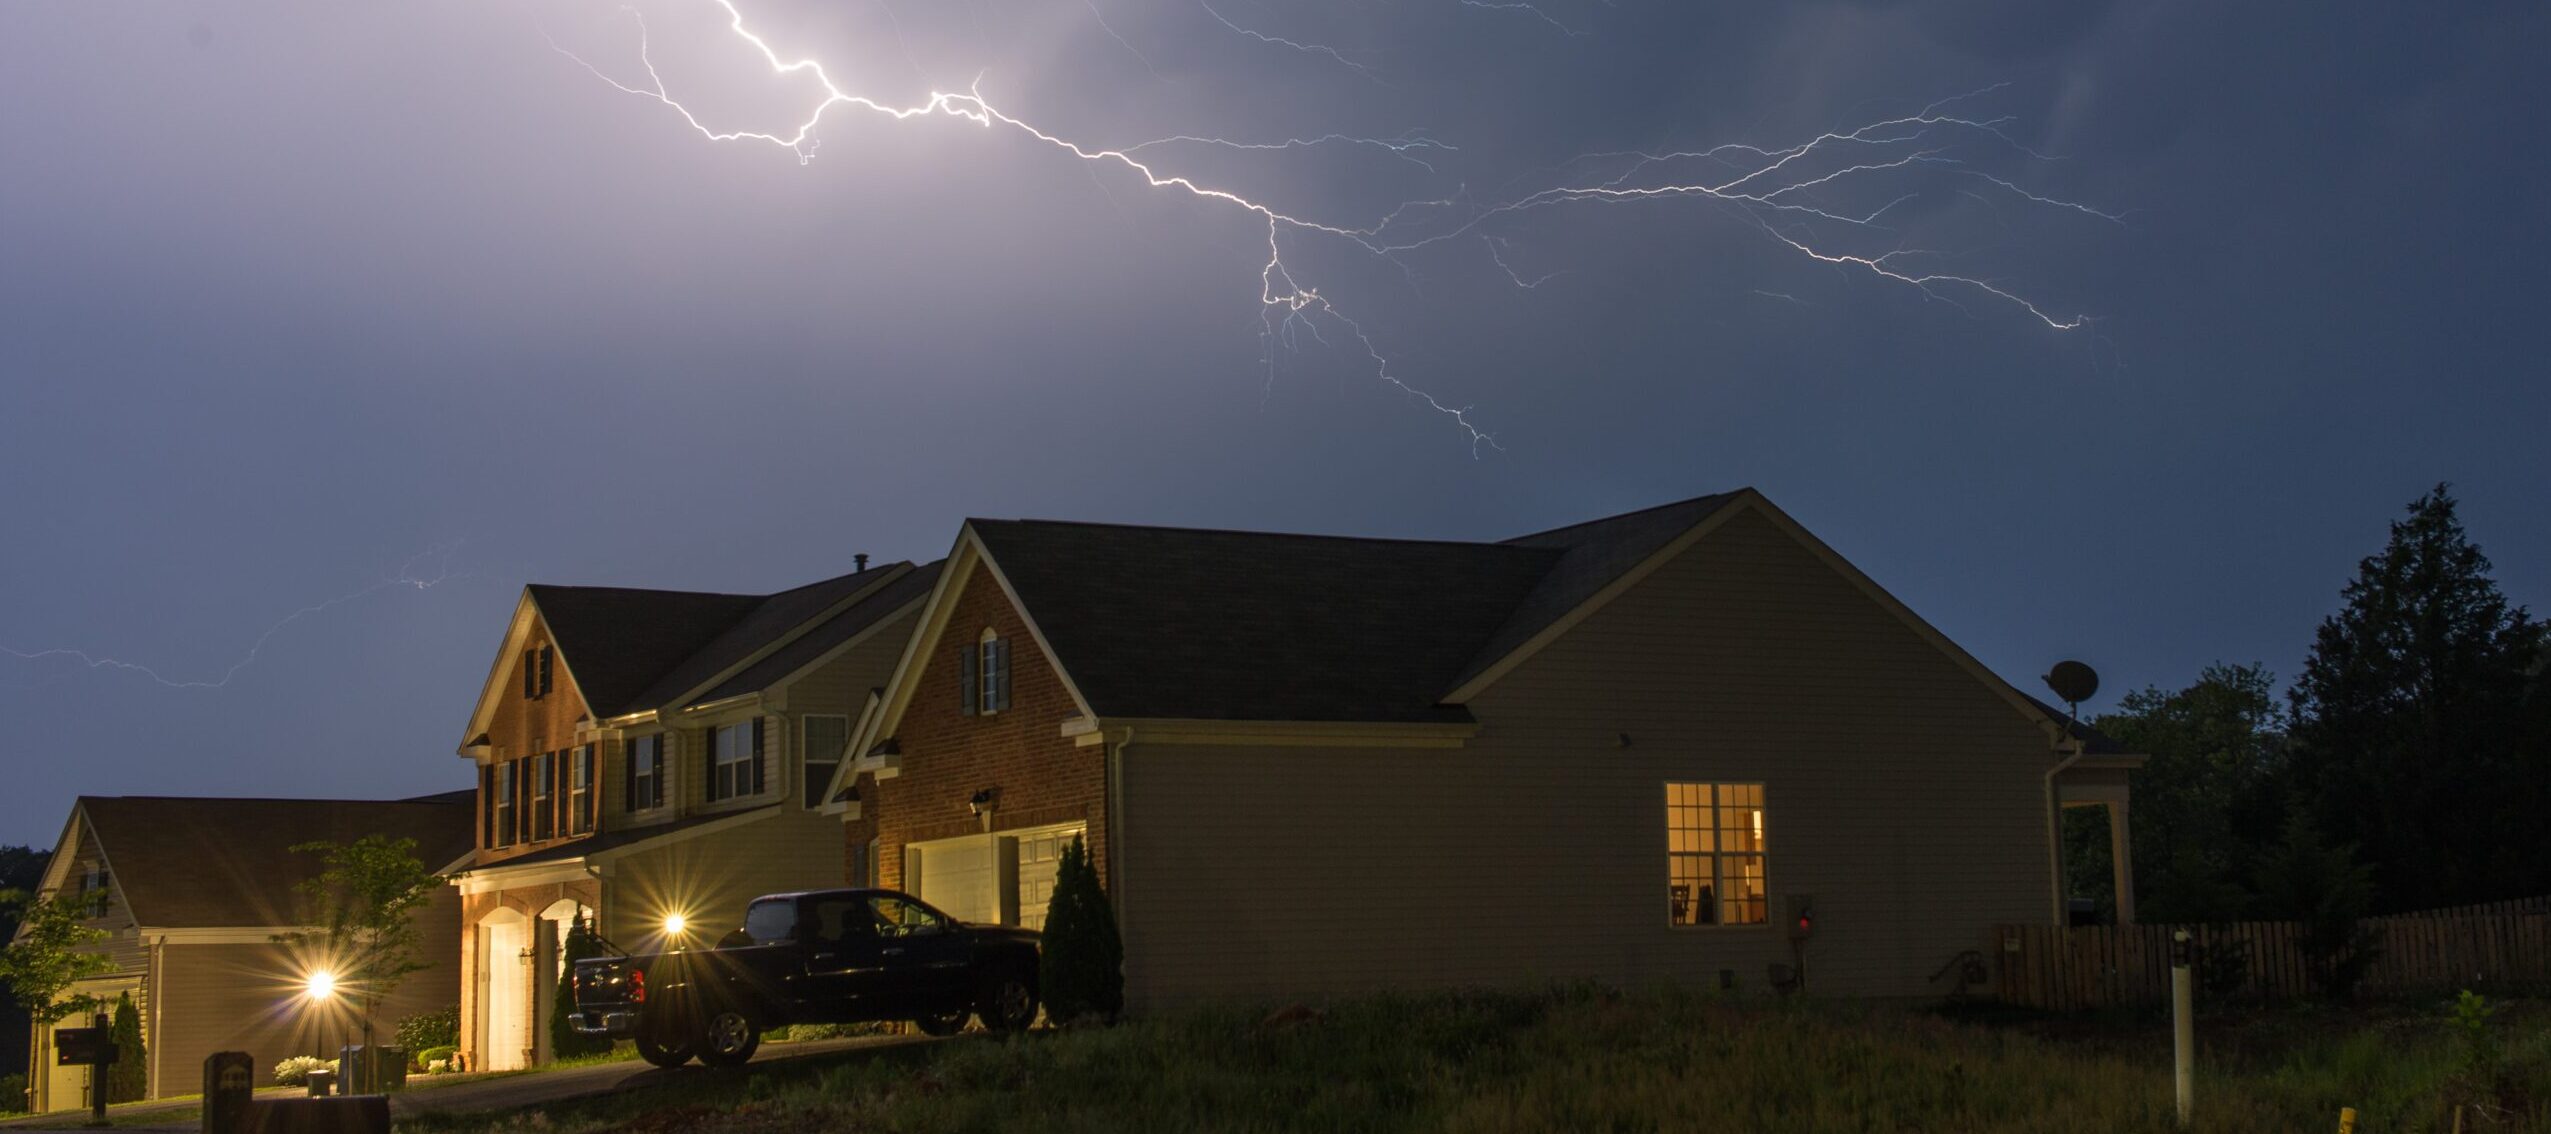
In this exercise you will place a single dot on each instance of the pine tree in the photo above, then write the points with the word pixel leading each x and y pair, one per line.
pixel 1082 973
pixel 2409 721
pixel 564 1040
pixel 129 1079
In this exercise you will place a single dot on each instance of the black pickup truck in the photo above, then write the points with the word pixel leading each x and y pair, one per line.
pixel 822 957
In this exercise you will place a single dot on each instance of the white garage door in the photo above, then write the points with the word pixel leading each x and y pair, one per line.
pixel 1002 879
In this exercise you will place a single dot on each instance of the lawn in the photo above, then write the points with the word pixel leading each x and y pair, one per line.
pixel 1590 1060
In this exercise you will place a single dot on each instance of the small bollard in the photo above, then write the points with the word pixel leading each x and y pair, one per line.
pixel 319 1081
pixel 2183 1025
pixel 2347 1120
pixel 230 1080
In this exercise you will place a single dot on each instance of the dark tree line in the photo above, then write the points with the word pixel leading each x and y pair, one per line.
pixel 2408 767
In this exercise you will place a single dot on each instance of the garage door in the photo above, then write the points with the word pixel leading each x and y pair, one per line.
pixel 960 876
pixel 1002 879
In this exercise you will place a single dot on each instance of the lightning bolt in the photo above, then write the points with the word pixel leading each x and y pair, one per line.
pixel 1790 194
pixel 408 575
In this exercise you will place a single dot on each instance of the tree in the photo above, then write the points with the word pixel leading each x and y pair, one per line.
pixel 565 1041
pixel 364 901
pixel 129 1079
pixel 2328 892
pixel 50 954
pixel 2206 802
pixel 21 868
pixel 2409 721
pixel 1082 971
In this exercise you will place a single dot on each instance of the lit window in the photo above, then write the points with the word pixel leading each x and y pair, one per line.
pixel 1714 855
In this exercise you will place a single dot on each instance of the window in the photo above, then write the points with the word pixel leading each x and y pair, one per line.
pixel 863 864
pixel 825 737
pixel 544 801
pixel 735 760
pixel 983 675
pixel 902 917
pixel 580 792
pixel 548 658
pixel 646 773
pixel 771 921
pixel 1714 855
pixel 93 879
pixel 502 834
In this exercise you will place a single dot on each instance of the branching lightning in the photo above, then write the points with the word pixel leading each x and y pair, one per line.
pixel 1794 196
pixel 408 575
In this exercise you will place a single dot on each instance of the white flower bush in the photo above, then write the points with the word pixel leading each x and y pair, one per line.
pixel 295 1072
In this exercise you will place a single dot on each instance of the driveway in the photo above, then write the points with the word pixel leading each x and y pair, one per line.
pixel 506 1090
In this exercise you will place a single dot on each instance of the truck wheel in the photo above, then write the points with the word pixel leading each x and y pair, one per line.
pixel 729 1038
pixel 1008 1004
pixel 943 1024
pixel 657 1052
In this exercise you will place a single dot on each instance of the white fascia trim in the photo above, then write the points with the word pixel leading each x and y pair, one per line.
pixel 223 934
pixel 962 559
pixel 489 879
pixel 1280 734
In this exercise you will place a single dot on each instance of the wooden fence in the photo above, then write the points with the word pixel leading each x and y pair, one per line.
pixel 2100 966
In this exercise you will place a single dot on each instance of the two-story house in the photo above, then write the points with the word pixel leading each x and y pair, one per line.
pixel 191 895
pixel 650 761
pixel 1688 743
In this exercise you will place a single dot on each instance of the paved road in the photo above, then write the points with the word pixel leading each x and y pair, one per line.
pixel 498 1091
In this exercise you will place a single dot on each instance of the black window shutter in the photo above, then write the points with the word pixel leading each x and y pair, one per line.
pixel 1001 673
pixel 759 758
pixel 655 783
pixel 487 805
pixel 629 775
pixel 966 684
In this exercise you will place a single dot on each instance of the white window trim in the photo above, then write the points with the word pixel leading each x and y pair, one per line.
pixel 1717 857
pixel 718 765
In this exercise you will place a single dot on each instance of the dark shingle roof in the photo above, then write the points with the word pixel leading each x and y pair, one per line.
pixel 1220 625
pixel 194 863
pixel 619 641
pixel 635 649
pixel 913 586
pixel 1593 554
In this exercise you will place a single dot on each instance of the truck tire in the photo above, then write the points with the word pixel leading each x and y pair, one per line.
pixel 1008 1003
pixel 657 1052
pixel 729 1037
pixel 943 1024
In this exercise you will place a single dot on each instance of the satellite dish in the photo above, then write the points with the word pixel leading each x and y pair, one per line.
pixel 2073 682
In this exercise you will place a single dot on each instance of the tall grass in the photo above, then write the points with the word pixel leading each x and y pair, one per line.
pixel 1590 1060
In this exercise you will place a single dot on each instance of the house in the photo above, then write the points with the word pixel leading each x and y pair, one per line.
pixel 195 891
pixel 1688 743
pixel 649 761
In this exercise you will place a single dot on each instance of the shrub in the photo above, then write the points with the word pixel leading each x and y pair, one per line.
pixel 129 1080
pixel 1082 970
pixel 440 1053
pixel 13 1093
pixel 296 1071
pixel 565 1042
pixel 438 1028
pixel 2329 891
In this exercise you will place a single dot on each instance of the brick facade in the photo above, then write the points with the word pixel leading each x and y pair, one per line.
pixel 528 901
pixel 524 727
pixel 1040 776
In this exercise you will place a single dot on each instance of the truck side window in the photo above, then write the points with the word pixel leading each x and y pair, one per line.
pixel 841 919
pixel 899 918
pixel 771 922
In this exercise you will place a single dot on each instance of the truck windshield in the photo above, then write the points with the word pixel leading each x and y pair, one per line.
pixel 771 922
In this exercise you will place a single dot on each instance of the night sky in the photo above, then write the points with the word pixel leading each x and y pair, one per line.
pixel 299 298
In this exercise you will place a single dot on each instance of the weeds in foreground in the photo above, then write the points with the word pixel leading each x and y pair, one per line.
pixel 1588 1059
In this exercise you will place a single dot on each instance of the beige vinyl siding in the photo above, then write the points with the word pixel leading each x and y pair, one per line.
pixel 1901 791
pixel 710 878
pixel 247 997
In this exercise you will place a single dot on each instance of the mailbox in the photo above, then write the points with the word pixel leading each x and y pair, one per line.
pixel 84 1047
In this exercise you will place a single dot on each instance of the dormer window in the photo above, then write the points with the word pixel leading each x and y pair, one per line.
pixel 983 675
pixel 538 668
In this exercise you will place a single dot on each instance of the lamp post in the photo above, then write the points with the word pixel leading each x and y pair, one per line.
pixel 320 988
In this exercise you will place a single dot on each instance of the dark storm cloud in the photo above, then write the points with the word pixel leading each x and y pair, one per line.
pixel 289 292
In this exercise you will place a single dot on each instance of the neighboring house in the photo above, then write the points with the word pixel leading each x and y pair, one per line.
pixel 1635 749
pixel 197 890
pixel 644 754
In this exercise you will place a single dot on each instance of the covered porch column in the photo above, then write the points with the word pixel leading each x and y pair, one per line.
pixel 2100 781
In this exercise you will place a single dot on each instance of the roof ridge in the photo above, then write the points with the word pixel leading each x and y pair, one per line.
pixel 646 591
pixel 430 799
pixel 1322 536
pixel 1626 515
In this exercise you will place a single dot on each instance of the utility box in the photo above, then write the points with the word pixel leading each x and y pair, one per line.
pixel 230 1080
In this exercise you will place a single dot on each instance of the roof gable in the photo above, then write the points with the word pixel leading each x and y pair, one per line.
pixel 621 641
